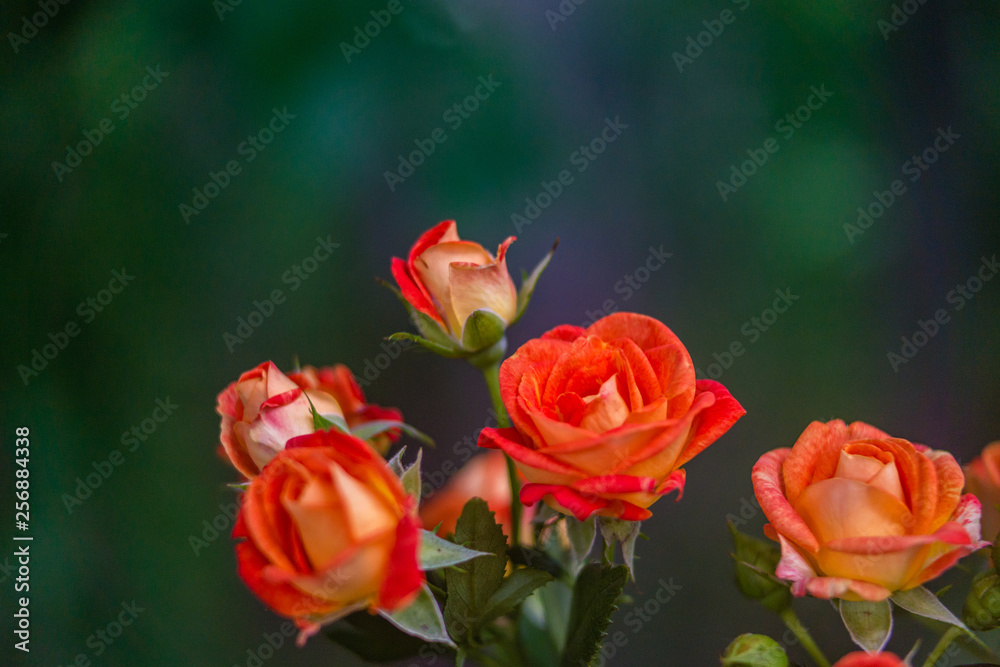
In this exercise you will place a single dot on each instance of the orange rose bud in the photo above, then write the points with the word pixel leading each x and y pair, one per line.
pixel 485 477
pixel 265 408
pixel 862 659
pixel 605 417
pixel 860 514
pixel 982 478
pixel 448 279
pixel 328 530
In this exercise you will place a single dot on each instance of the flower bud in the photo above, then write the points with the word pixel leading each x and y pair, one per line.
pixel 754 651
pixel 756 561
pixel 982 606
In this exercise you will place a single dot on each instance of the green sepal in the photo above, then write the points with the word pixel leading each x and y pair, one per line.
pixel 869 623
pixel 241 487
pixel 373 429
pixel 411 477
pixel 426 325
pixel 581 540
pixel 421 618
pixel 437 552
pixel 756 561
pixel 396 463
pixel 482 329
pixel 623 532
pixel 922 602
pixel 450 351
pixel 750 650
pixel 529 282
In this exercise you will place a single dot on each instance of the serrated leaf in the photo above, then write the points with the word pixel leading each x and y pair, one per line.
pixel 519 585
pixel 471 584
pixel 595 598
pixel 581 540
pixel 922 602
pixel 529 282
pixel 373 638
pixel 869 623
pixel 449 351
pixel 482 329
pixel 371 429
pixel 436 552
pixel 421 618
pixel 396 463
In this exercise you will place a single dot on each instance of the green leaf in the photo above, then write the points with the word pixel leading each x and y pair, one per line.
pixel 371 429
pixel 529 282
pixel 869 623
pixel 531 557
pixel 411 477
pixel 922 602
pixel 519 585
pixel 625 532
pixel 482 329
pixel 536 642
pixel 421 618
pixel 581 540
pixel 450 351
pixel 595 598
pixel 436 552
pixel 373 638
pixel 471 584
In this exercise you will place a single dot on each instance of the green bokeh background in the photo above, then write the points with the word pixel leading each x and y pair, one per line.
pixel 324 175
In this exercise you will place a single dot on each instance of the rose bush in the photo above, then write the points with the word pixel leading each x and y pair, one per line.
pixel 605 417
pixel 328 530
pixel 448 279
pixel 982 478
pixel 265 408
pixel 860 514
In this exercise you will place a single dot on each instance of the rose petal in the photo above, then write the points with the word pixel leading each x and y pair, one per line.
pixel 770 492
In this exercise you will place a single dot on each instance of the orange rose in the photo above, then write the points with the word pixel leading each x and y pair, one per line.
pixel 485 477
pixel 605 417
pixel 982 478
pixel 329 530
pixel 862 659
pixel 448 279
pixel 860 515
pixel 265 408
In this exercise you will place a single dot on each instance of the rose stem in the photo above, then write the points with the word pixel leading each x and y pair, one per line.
pixel 492 376
pixel 795 625
pixel 947 638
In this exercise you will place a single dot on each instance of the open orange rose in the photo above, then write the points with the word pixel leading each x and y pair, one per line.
pixel 862 659
pixel 265 408
pixel 328 530
pixel 982 478
pixel 860 514
pixel 448 279
pixel 605 417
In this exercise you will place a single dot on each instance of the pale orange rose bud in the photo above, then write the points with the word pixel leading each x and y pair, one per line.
pixel 448 279
pixel 265 408
pixel 982 478
pixel 860 514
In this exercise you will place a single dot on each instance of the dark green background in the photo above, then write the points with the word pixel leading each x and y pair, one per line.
pixel 324 175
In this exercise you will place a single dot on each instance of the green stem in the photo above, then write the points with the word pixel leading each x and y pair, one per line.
pixel 795 625
pixel 947 638
pixel 492 376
